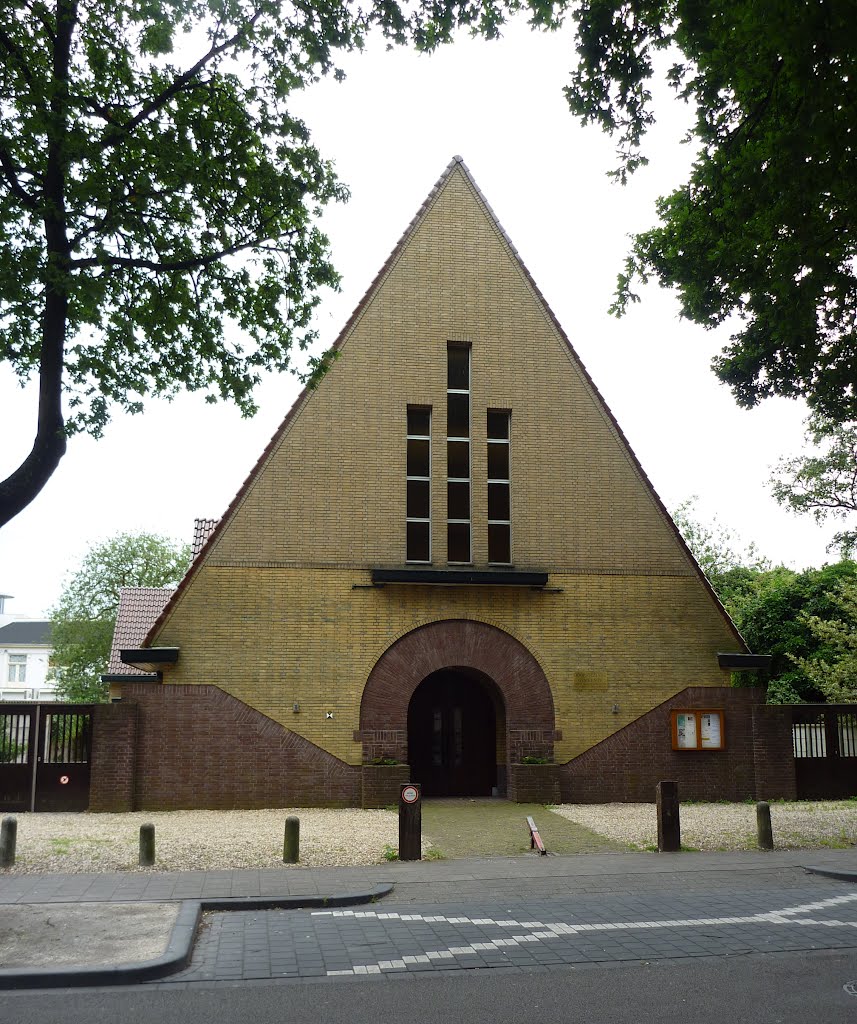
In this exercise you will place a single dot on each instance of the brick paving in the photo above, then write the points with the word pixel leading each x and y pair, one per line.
pixel 520 934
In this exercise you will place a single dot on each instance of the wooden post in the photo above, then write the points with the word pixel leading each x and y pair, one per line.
pixel 763 826
pixel 669 827
pixel 8 841
pixel 410 822
pixel 147 846
pixel 292 840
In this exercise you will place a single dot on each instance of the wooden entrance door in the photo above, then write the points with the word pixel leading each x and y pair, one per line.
pixel 452 736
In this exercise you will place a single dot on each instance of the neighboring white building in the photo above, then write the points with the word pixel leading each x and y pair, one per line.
pixel 25 650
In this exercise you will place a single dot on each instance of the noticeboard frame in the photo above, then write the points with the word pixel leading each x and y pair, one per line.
pixel 697 713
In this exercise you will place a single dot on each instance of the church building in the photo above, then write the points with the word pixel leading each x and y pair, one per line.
pixel 447 567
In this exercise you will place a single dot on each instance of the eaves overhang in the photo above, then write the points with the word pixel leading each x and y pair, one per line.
pixel 744 662
pixel 149 659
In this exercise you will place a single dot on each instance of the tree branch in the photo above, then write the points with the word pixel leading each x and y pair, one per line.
pixel 15 51
pixel 10 172
pixel 159 266
pixel 120 133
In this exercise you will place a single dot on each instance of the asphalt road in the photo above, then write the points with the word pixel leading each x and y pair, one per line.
pixel 780 988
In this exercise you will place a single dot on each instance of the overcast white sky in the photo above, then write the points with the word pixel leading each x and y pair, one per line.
pixel 391 128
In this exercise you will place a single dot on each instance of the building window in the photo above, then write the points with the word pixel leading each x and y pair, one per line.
pixel 418 484
pixel 499 496
pixel 17 668
pixel 698 730
pixel 458 454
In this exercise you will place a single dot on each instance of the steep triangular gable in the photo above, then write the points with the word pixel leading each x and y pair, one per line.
pixel 267 516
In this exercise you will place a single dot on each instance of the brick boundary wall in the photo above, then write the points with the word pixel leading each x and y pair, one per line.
pixel 112 766
pixel 456 643
pixel 627 766
pixel 199 747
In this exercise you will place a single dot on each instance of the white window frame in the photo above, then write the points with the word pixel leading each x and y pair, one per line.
pixel 17 672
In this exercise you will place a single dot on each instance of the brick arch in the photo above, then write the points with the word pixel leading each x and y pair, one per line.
pixel 456 643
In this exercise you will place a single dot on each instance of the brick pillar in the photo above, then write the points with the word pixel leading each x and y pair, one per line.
pixel 773 752
pixel 114 749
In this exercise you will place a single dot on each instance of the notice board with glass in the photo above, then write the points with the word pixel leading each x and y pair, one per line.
pixel 698 729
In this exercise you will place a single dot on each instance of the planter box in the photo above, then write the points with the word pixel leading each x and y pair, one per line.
pixel 534 783
pixel 382 784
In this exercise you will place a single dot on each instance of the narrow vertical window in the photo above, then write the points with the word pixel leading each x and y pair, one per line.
pixel 458 454
pixel 499 497
pixel 418 484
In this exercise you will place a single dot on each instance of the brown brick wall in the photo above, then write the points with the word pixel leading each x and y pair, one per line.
pixel 197 746
pixel 114 737
pixel 772 742
pixel 382 784
pixel 627 766
pixel 534 783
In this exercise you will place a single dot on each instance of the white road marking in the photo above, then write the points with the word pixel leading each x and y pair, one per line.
pixel 551 930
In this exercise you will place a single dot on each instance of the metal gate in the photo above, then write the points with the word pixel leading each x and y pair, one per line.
pixel 824 740
pixel 44 757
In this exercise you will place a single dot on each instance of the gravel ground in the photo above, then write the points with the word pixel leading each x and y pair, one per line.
pixel 721 826
pixel 212 840
pixel 200 840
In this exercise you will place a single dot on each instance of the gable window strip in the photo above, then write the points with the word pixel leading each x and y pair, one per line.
pixel 499 488
pixel 458 539
pixel 418 485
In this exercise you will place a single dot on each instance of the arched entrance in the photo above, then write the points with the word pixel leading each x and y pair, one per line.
pixel 453 720
pixel 500 664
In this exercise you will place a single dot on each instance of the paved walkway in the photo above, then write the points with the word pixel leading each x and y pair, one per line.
pixel 473 827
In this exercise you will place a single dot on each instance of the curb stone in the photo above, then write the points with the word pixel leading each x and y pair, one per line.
pixel 842 874
pixel 179 949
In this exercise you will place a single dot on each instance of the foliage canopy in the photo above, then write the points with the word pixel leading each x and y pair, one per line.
pixel 83 620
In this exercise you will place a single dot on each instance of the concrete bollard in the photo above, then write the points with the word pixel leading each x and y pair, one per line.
pixel 147 846
pixel 8 841
pixel 669 826
pixel 763 826
pixel 292 840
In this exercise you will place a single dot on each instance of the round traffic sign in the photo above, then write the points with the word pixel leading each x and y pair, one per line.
pixel 410 794
pixel 63 780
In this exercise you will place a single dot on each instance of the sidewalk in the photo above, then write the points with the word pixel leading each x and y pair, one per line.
pixel 60 930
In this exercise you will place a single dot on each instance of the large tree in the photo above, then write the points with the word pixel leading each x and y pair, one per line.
pixel 157 202
pixel 764 232
pixel 823 483
pixel 82 621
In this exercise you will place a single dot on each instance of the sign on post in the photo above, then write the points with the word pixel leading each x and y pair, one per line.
pixel 410 822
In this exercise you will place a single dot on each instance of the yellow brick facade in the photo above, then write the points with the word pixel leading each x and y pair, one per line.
pixel 279 610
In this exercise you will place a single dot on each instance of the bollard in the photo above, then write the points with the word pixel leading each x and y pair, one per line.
pixel 292 840
pixel 763 826
pixel 147 846
pixel 669 826
pixel 410 822
pixel 8 840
